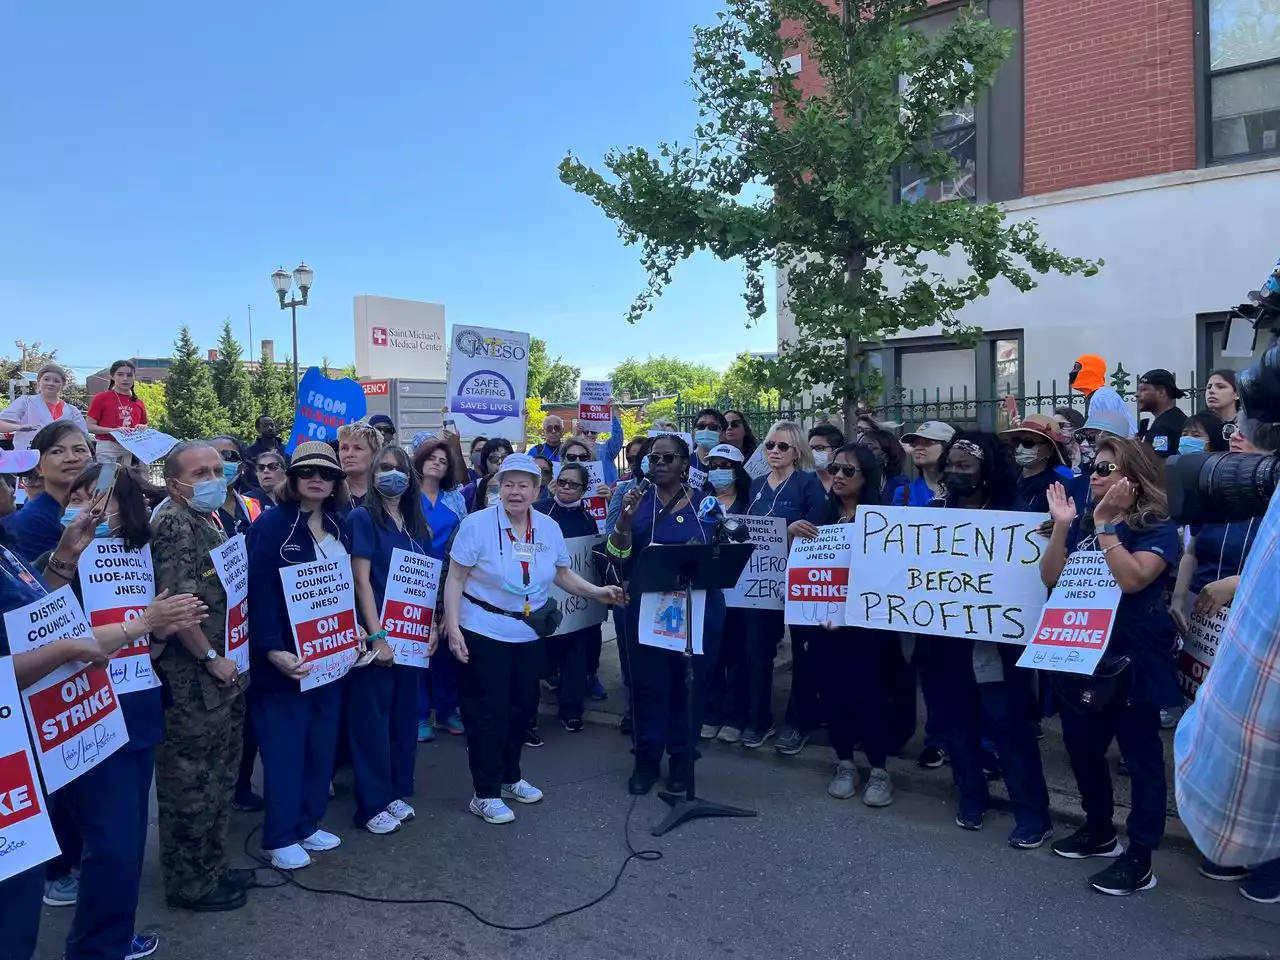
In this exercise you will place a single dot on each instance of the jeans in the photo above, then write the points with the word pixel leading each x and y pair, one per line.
pixel 499 697
pixel 751 686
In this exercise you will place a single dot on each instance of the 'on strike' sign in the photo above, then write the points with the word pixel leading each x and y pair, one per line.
pixel 1076 623
pixel 409 604
pixel 117 584
pixel 818 577
pixel 321 600
pixel 26 833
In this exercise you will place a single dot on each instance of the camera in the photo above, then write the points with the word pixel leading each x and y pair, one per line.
pixel 1222 487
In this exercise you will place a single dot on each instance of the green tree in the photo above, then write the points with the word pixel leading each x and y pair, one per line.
pixel 659 376
pixel 747 381
pixel 192 408
pixel 153 398
pixel 552 380
pixel 273 395
pixel 860 267
pixel 231 384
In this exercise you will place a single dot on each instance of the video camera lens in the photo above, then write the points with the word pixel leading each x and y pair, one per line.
pixel 1259 387
pixel 1220 487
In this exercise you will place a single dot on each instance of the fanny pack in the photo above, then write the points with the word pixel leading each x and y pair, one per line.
pixel 1093 694
pixel 544 621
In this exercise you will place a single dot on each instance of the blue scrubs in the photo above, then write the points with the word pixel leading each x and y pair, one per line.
pixel 382 702
pixel 35 529
pixel 1220 551
pixel 438 686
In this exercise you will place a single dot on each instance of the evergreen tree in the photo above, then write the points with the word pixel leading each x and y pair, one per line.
pixel 273 396
pixel 231 384
pixel 193 411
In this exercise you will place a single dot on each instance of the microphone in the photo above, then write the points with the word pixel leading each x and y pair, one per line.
pixel 710 509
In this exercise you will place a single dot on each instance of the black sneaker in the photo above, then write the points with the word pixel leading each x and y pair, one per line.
pixel 531 738
pixel 931 758
pixel 1086 842
pixel 573 724
pixel 1213 871
pixel 1127 875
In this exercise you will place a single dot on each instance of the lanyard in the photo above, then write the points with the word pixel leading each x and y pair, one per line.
pixel 15 569
pixel 524 556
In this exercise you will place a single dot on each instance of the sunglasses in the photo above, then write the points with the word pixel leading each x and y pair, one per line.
pixel 571 485
pixel 1105 469
pixel 1028 444
pixel 841 470
pixel 230 456
pixel 663 458
pixel 269 466
pixel 777 445
pixel 710 425
pixel 733 424
pixel 576 458
pixel 324 473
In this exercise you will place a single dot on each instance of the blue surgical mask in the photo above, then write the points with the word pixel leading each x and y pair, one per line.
pixel 69 516
pixel 644 465
pixel 721 479
pixel 1191 445
pixel 706 439
pixel 207 495
pixel 391 483
pixel 230 471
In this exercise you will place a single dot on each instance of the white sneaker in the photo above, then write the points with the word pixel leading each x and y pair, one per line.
pixel 292 857
pixel 382 822
pixel 522 791
pixel 492 810
pixel 321 840
pixel 401 810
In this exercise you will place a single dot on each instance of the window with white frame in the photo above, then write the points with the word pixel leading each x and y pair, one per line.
pixel 1243 78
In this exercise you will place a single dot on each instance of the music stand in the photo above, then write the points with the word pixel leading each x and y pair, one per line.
pixel 690 567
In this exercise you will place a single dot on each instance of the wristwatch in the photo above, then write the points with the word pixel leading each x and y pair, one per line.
pixel 211 656
pixel 1108 528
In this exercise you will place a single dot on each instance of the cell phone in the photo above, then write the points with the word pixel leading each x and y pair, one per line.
pixel 106 477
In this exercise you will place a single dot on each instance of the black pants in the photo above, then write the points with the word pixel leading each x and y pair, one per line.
pixel 498 696
pixel 568 654
pixel 595 643
pixel 1136 728
pixel 719 700
pixel 854 665
pixel 804 712
pixel 244 780
pixel 752 684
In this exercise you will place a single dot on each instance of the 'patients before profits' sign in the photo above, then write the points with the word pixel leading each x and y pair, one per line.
pixel 947 573
pixel 321 599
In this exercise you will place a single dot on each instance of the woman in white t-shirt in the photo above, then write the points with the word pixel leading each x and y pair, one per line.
pixel 27 414
pixel 503 562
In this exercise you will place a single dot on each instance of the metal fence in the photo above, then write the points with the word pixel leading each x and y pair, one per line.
pixel 960 408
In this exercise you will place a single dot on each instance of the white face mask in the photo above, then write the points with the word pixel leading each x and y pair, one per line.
pixel 1027 457
pixel 821 458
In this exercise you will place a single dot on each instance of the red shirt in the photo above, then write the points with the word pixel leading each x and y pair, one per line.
pixel 113 411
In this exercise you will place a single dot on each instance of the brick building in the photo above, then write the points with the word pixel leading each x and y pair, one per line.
pixel 1144 132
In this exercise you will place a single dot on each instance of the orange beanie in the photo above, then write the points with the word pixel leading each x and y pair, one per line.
pixel 1092 375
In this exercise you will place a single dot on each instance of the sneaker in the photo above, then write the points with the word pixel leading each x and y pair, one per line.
pixel 1127 875
pixel 247 802
pixel 729 735
pixel 453 723
pixel 382 823
pixel 573 724
pixel 1085 843
pixel 879 791
pixel 967 822
pixel 1261 889
pixel 144 945
pixel 426 732
pixel 63 892
pixel 708 731
pixel 931 758
pixel 321 840
pixel 595 689
pixel 531 738
pixel 521 791
pixel 401 811
pixel 292 857
pixel 1213 871
pixel 791 742
pixel 492 810
pixel 1029 839
pixel 752 739
pixel 844 784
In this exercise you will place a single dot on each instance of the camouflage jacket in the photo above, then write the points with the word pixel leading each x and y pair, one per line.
pixel 180 543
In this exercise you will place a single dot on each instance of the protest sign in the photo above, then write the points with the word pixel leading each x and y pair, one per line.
pixel 697 478
pixel 763 584
pixel 663 620
pixel 146 444
pixel 594 413
pixel 686 437
pixel 73 713
pixel 232 563
pixel 818 577
pixel 595 472
pixel 1076 623
pixel 409 605
pixel 323 406
pixel 947 573
pixel 579 612
pixel 116 585
pixel 26 833
pixel 1199 646
pixel 598 507
pixel 321 600
pixel 488 373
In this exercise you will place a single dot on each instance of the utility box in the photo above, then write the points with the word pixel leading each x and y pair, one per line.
pixel 412 405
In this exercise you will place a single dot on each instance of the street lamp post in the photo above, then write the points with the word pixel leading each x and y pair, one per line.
pixel 302 277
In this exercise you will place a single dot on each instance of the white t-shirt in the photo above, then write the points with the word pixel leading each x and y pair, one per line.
pixel 31 410
pixel 484 543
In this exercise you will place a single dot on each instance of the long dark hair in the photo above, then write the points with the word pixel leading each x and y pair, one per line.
pixel 497 443
pixel 998 470
pixel 424 450
pixel 415 521
pixel 111 377
pixel 1212 424
pixel 132 494
pixel 891 452
pixel 749 441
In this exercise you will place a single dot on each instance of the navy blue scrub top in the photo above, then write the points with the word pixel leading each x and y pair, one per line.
pixel 374 543
pixel 442 520
pixel 35 529
pixel 799 497
pixel 19 586
pixel 1221 549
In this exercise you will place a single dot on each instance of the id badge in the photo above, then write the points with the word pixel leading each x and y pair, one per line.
pixel 523 551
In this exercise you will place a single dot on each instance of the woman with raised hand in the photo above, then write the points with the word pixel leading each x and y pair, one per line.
pixel 25 415
pixel 64 452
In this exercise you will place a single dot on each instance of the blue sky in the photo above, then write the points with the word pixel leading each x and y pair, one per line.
pixel 161 160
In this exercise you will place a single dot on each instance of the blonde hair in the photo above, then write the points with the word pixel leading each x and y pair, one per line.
pixel 799 443
pixel 360 430
pixel 1138 462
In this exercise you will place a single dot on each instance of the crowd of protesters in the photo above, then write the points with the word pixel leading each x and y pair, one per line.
pixel 497 519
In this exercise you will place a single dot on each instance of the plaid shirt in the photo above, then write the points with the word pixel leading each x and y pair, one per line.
pixel 1227 747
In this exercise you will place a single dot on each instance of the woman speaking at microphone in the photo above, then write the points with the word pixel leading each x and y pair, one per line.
pixel 382 702
pixel 297 731
pixel 663 512
pixel 497 611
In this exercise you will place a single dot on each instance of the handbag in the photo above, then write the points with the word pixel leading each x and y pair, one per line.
pixel 544 621
pixel 1094 694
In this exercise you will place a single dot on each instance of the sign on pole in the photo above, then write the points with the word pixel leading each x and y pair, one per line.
pixel 117 584
pixel 409 604
pixel 26 833
pixel 763 584
pixel 818 577
pixel 323 406
pixel 399 338
pixel 321 600
pixel 579 612
pixel 232 563
pixel 594 413
pixel 947 573
pixel 1199 646
pixel 488 373
pixel 1076 624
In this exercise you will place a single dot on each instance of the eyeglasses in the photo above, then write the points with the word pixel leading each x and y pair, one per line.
pixel 324 473
pixel 777 445
pixel 575 458
pixel 1229 430
pixel 1105 469
pixel 230 456
pixel 842 470
pixel 664 458
pixel 708 425
pixel 269 466
pixel 571 485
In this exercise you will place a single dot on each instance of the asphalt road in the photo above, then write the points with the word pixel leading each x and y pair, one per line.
pixel 810 877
